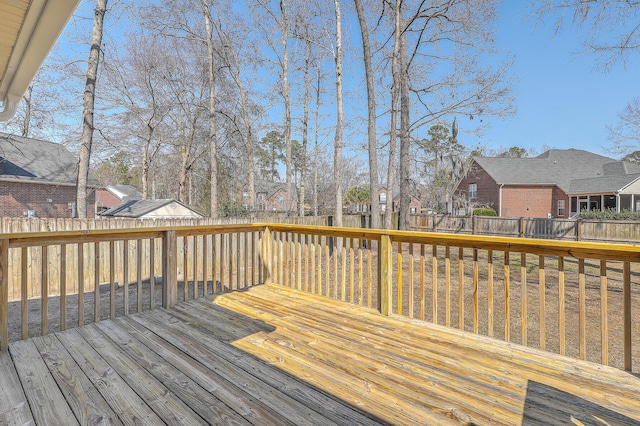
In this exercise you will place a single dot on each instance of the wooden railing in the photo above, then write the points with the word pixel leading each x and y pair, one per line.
pixel 50 280
pixel 573 298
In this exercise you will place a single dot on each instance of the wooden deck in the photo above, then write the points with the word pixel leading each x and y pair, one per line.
pixel 271 355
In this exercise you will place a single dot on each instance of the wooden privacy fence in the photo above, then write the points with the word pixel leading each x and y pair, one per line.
pixel 577 299
pixel 574 298
pixel 562 229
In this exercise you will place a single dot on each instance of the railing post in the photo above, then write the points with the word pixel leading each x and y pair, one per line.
pixel 626 316
pixel 267 258
pixel 385 283
pixel 4 294
pixel 169 269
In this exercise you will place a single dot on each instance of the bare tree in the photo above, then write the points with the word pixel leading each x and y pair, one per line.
pixel 89 102
pixel 137 90
pixel 393 128
pixel 371 116
pixel 338 142
pixel 613 31
pixel 213 141
pixel 440 71
pixel 625 134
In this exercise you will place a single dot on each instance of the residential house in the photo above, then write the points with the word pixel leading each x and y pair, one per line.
pixel 272 197
pixel 38 179
pixel 114 195
pixel 557 183
pixel 414 206
pixel 152 209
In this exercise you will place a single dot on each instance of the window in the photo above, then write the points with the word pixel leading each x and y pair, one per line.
pixel 383 197
pixel 473 190
pixel 561 208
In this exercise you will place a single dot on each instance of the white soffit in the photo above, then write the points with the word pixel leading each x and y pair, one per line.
pixel 28 30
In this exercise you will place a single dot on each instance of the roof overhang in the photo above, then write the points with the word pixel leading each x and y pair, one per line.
pixel 28 30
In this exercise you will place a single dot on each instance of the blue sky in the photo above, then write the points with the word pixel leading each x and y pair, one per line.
pixel 563 101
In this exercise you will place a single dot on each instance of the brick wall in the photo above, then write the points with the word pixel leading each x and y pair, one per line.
pixel 532 201
pixel 106 200
pixel 47 201
pixel 488 191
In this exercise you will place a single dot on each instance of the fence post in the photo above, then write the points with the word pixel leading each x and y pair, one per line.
pixel 169 269
pixel 4 294
pixel 579 230
pixel 521 226
pixel 385 282
pixel 473 224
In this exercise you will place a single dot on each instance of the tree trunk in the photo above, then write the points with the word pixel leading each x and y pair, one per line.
pixel 337 158
pixel 87 114
pixel 305 130
pixel 388 213
pixel 316 151
pixel 26 122
pixel 213 145
pixel 405 140
pixel 284 30
pixel 371 115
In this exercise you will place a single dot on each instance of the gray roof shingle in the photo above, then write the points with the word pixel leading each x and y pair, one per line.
pixel 605 184
pixel 36 160
pixel 555 167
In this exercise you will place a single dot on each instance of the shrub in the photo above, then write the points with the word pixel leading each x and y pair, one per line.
pixel 485 212
pixel 609 214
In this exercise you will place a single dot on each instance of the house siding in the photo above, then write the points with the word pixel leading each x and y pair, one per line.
pixel 16 198
pixel 488 193
pixel 527 201
pixel 106 200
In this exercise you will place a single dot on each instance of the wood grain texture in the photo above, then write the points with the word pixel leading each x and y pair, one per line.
pixel 14 407
pixel 272 355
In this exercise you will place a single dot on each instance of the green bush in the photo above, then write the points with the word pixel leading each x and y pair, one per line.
pixel 609 214
pixel 484 212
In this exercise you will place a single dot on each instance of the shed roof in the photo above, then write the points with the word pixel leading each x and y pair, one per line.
pixel 139 208
pixel 604 185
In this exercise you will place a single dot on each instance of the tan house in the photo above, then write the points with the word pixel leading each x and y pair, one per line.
pixel 152 209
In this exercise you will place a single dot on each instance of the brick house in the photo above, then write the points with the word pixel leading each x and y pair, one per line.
pixel 557 183
pixel 38 179
pixel 272 197
pixel 114 195
pixel 414 206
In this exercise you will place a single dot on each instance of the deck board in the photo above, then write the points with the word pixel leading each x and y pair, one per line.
pixel 274 356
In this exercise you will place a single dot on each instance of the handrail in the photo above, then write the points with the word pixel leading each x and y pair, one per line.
pixel 479 287
pixel 471 282
pixel 62 258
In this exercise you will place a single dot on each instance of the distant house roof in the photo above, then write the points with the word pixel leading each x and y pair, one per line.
pixel 37 161
pixel 569 169
pixel 124 192
pixel 166 208
pixel 605 184
pixel 271 188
